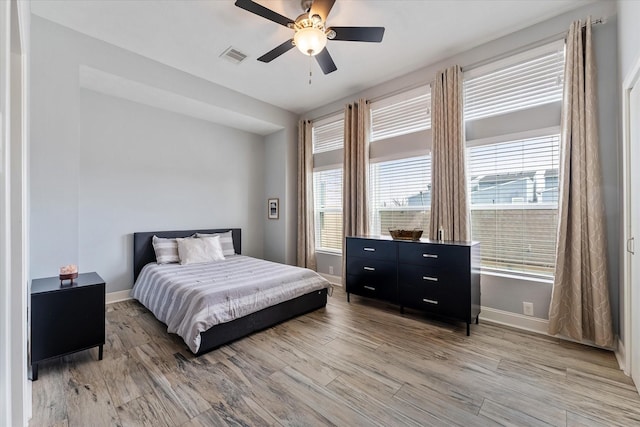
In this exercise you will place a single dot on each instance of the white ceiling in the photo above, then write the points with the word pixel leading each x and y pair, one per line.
pixel 191 35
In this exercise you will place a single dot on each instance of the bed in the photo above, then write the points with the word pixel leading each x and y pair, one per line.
pixel 305 291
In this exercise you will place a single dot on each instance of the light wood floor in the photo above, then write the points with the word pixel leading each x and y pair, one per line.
pixel 349 365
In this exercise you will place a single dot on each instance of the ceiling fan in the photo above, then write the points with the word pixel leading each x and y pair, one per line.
pixel 311 33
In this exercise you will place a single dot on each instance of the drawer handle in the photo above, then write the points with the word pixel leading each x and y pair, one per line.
pixel 371 288
pixel 430 301
pixel 370 249
pixel 370 268
pixel 431 279
pixel 430 255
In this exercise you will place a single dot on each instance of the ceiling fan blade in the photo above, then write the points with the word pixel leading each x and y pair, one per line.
pixel 326 62
pixel 322 8
pixel 260 10
pixel 359 34
pixel 274 53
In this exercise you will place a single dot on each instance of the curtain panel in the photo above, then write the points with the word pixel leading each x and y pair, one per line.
pixel 306 249
pixel 355 221
pixel 580 306
pixel 449 200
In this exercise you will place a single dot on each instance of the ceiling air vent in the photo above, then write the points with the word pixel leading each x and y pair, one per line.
pixel 233 55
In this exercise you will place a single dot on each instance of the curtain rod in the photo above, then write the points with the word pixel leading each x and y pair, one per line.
pixel 326 116
pixel 532 45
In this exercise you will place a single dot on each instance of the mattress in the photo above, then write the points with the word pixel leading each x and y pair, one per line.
pixel 190 299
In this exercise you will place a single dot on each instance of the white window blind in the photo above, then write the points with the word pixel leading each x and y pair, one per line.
pixel 514 204
pixel 328 134
pixel 400 194
pixel 525 81
pixel 401 114
pixel 327 192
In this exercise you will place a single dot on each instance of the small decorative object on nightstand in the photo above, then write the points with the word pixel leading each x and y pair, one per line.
pixel 68 272
pixel 66 318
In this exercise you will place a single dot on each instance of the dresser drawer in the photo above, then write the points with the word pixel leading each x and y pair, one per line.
pixel 434 300
pixel 373 287
pixel 427 275
pixel 444 257
pixel 371 249
pixel 372 268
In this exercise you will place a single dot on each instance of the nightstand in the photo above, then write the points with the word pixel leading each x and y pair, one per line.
pixel 66 319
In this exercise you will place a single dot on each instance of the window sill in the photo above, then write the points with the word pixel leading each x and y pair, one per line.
pixel 516 277
pixel 329 252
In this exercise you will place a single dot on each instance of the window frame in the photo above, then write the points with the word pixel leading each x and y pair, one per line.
pixel 327 160
pixel 481 131
pixel 399 145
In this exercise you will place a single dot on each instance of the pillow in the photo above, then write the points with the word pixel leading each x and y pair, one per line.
pixel 166 250
pixel 226 241
pixel 193 251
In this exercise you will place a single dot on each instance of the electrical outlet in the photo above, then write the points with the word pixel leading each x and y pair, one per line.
pixel 527 307
pixel 331 269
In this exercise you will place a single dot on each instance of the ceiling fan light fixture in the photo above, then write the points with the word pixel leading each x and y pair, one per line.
pixel 310 40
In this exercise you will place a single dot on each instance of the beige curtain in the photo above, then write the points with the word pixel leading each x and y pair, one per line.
pixel 580 300
pixel 449 201
pixel 356 164
pixel 306 250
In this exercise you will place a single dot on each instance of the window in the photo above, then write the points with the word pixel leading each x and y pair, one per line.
pixel 327 192
pixel 328 136
pixel 514 204
pixel 512 119
pixel 400 194
pixel 401 114
pixel 528 81
pixel 400 164
pixel 328 142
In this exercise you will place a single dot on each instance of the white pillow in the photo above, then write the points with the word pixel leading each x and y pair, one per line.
pixel 193 251
pixel 226 241
pixel 166 250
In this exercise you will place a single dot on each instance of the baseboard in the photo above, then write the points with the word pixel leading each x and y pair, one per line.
pixel 621 354
pixel 118 296
pixel 335 280
pixel 515 320
pixel 532 324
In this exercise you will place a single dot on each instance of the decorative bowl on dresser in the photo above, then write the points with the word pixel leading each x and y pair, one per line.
pixel 441 278
pixel 67 318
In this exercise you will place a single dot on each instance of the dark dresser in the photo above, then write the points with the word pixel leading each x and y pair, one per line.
pixel 66 319
pixel 442 278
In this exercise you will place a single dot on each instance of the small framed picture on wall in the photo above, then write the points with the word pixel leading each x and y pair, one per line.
pixel 273 208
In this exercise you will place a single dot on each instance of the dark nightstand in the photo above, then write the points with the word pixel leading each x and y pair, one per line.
pixel 66 319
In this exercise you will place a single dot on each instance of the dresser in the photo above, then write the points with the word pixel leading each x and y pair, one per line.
pixel 442 278
pixel 66 319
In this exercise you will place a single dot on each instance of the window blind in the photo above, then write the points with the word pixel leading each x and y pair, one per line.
pixel 328 134
pixel 401 114
pixel 514 204
pixel 327 193
pixel 400 194
pixel 523 83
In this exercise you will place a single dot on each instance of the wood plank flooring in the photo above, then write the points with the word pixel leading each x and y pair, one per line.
pixel 358 364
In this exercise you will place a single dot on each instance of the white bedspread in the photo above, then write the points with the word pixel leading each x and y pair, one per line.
pixel 190 299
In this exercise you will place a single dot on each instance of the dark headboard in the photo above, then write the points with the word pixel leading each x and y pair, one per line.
pixel 143 252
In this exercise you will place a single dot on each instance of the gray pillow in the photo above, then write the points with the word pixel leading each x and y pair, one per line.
pixel 226 241
pixel 166 250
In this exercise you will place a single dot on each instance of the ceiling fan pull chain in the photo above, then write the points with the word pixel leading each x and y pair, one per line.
pixel 310 65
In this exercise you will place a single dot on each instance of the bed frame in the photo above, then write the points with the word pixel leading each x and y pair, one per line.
pixel 224 333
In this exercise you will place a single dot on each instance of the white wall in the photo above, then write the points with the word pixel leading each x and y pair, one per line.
pixel 275 186
pixel 103 167
pixel 157 170
pixel 505 293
